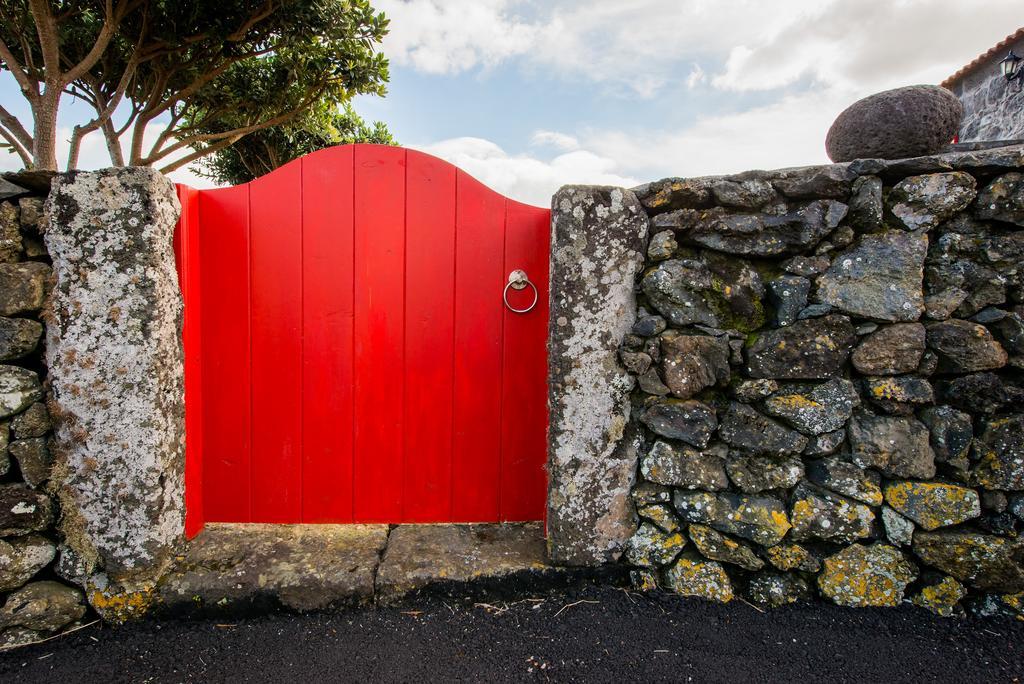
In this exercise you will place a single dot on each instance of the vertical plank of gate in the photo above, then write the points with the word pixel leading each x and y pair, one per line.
pixel 429 327
pixel 225 368
pixel 327 272
pixel 276 244
pixel 524 368
pixel 186 245
pixel 379 320
pixel 478 318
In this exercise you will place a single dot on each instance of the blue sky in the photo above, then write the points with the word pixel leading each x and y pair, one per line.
pixel 531 95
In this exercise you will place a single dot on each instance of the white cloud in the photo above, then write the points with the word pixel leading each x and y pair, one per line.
pixel 559 141
pixel 526 178
pixel 449 36
pixel 696 77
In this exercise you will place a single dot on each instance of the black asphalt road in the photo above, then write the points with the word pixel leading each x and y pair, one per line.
pixel 588 634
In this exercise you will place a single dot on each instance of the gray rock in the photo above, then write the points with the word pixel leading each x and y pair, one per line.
pixel 929 363
pixel 981 561
pixel 695 507
pixel 650 547
pixel 831 181
pixel 819 514
pixel 1009 330
pixel 823 445
pixel 10 233
pixel 21 558
pixel 996 502
pixel 23 510
pixel 880 277
pixel 597 249
pixel 650 382
pixel 814 311
pixel 898 529
pixel 43 607
pixel 753 474
pixel 32 422
pixel 940 305
pixel 662 246
pixel 923 202
pixel 765 235
pixel 744 428
pixel 815 409
pixel 689 421
pixel 19 636
pixel 866 204
pixel 675 193
pixel 688 291
pixel 776 589
pixel 866 576
pixel 685 467
pixel 19 388
pixel 813 349
pixel 964 347
pixel 714 545
pixel 23 287
pixel 980 393
pixel 743 194
pixel 649 325
pixel 895 124
pixel 951 433
pixel 635 362
pixel 788 294
pixel 793 557
pixel 891 350
pixel 806 266
pixel 1002 199
pixel 18 337
pixel 749 391
pixel 895 445
pixel 120 444
pixel 760 519
pixel 999 452
pixel 691 363
pixel 34 459
pixel 899 395
pixel 9 190
pixel 847 479
pixel 34 218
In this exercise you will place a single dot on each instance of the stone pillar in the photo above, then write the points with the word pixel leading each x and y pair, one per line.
pixel 114 352
pixel 598 236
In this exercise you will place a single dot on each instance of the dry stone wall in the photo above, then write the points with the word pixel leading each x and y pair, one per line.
pixel 36 601
pixel 829 385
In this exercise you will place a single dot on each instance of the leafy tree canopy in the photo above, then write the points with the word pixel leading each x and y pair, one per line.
pixel 263 151
pixel 180 67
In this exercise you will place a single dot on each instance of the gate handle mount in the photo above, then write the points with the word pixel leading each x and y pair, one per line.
pixel 517 280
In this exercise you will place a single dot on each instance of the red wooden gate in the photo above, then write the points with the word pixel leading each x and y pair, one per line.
pixel 349 356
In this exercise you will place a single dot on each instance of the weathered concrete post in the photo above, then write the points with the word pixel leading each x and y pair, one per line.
pixel 597 244
pixel 114 353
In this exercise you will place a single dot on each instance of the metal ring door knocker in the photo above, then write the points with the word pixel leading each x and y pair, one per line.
pixel 517 280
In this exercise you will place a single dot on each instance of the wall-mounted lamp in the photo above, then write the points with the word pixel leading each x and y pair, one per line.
pixel 1009 66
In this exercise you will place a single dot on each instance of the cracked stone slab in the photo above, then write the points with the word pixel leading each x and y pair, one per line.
pixel 420 555
pixel 303 567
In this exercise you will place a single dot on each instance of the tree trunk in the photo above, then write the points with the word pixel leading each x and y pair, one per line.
pixel 44 134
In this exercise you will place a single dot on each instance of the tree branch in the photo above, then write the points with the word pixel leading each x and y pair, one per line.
pixel 26 156
pixel 15 127
pixel 28 86
pixel 188 159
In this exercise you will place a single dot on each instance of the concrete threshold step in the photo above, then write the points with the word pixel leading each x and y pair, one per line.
pixel 316 567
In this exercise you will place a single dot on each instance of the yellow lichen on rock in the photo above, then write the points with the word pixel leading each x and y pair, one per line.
pixel 121 606
pixel 691 575
pixel 792 557
pixel 861 576
pixel 932 504
pixel 942 598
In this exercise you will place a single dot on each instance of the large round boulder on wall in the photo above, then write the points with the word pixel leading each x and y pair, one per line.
pixel 894 124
